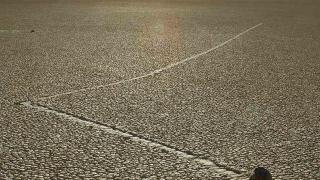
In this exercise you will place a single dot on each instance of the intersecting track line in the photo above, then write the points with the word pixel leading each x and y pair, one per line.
pixel 157 70
pixel 9 31
pixel 215 166
pixel 220 169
